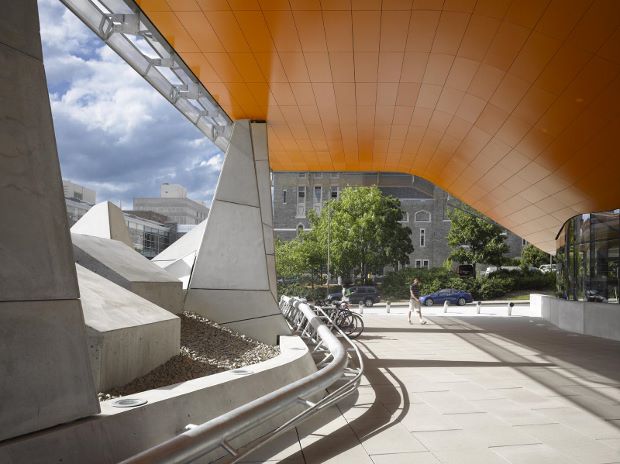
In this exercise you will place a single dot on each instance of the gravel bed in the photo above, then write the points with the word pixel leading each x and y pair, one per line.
pixel 206 348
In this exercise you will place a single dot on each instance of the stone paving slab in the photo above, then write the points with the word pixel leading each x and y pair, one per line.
pixel 471 389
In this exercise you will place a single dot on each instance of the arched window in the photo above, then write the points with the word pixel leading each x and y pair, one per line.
pixel 300 229
pixel 422 216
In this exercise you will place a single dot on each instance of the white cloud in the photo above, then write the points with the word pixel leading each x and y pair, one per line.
pixel 114 132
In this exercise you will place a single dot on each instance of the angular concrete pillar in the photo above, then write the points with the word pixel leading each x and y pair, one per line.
pixel 105 220
pixel 233 281
pixel 44 369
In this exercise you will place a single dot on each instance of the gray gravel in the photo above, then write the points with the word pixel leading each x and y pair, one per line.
pixel 206 348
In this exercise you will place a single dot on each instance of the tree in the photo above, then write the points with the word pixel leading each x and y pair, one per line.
pixel 363 230
pixel 533 256
pixel 299 256
pixel 474 239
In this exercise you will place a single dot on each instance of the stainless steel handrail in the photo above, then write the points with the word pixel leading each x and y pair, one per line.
pixel 315 327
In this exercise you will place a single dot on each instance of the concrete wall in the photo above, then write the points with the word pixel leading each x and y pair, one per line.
pixel 233 281
pixel 44 370
pixel 126 267
pixel 597 319
pixel 105 220
pixel 127 335
pixel 117 434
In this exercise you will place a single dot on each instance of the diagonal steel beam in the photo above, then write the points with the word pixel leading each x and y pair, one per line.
pixel 126 30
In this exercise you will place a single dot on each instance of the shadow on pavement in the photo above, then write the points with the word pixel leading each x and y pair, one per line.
pixel 560 350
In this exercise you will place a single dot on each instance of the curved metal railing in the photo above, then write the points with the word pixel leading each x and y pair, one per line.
pixel 317 330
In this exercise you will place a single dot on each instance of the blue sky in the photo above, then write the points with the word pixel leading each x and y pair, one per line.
pixel 115 134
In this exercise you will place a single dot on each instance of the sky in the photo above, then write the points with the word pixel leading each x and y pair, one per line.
pixel 115 133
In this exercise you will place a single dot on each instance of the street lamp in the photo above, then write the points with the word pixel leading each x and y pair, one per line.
pixel 329 228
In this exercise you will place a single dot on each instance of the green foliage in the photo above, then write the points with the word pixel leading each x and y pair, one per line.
pixel 533 256
pixel 396 284
pixel 474 239
pixel 296 289
pixel 512 261
pixel 302 255
pixel 363 230
pixel 503 281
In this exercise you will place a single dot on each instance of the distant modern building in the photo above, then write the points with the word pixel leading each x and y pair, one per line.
pixel 79 192
pixel 425 208
pixel 174 204
pixel 149 237
pixel 150 232
pixel 78 200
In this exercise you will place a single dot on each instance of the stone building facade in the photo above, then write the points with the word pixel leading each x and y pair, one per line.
pixel 425 208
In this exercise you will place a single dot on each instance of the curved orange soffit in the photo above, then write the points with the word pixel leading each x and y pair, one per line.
pixel 511 106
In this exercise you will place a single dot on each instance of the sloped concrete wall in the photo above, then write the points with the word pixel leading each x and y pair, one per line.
pixel 233 281
pixel 129 269
pixel 105 220
pixel 117 434
pixel 127 335
pixel 44 370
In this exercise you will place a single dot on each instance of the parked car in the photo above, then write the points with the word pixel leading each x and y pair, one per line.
pixel 334 296
pixel 452 296
pixel 466 270
pixel 365 294
pixel 491 269
pixel 547 268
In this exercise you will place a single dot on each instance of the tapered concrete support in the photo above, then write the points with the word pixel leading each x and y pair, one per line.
pixel 233 281
pixel 45 374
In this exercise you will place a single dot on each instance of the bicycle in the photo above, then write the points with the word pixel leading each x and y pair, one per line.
pixel 349 322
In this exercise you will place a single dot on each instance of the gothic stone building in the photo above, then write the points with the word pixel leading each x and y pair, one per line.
pixel 425 207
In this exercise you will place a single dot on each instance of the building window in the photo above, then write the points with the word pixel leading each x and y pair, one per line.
pixel 422 263
pixel 422 216
pixel 301 201
pixel 318 175
pixel 334 192
pixel 301 175
pixel 335 175
pixel 422 237
pixel 300 228
pixel 425 263
pixel 588 258
pixel 523 242
pixel 405 218
pixel 318 197
pixel 284 197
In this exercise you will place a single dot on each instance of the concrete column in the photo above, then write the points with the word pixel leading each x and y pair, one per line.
pixel 45 374
pixel 233 281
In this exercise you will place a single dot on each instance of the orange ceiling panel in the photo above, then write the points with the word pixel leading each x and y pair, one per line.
pixel 513 106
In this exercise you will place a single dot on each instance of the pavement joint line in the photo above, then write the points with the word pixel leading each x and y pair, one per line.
pixel 433 431
pixel 461 413
pixel 529 425
pixel 397 452
pixel 518 444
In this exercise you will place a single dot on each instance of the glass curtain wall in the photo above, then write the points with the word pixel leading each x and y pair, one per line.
pixel 588 255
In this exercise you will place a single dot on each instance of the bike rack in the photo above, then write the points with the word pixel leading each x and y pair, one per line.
pixel 316 329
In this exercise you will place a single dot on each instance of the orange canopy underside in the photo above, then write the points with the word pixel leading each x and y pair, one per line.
pixel 511 106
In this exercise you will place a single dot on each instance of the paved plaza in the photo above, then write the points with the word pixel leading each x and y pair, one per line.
pixel 469 388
